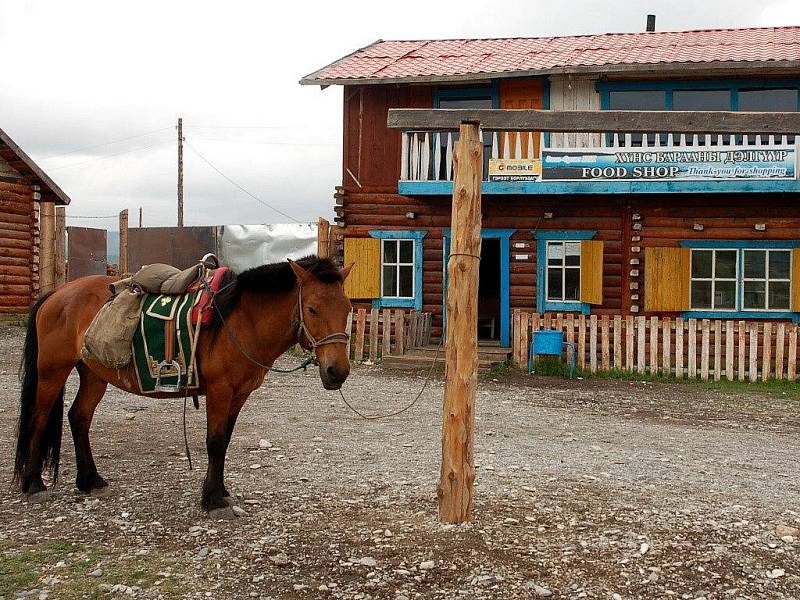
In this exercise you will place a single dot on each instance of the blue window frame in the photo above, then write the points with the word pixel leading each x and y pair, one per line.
pixel 739 279
pixel 396 301
pixel 543 304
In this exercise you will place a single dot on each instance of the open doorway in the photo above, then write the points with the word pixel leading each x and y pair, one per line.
pixel 489 291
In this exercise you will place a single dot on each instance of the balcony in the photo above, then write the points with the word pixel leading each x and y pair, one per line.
pixel 595 163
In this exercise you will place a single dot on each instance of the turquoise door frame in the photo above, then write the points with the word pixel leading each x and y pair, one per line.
pixel 504 235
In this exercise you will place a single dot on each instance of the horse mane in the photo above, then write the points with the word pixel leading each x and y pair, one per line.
pixel 275 278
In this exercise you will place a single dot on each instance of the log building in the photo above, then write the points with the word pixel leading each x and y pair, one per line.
pixel 658 224
pixel 25 192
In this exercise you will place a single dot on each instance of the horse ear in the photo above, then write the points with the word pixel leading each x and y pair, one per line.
pixel 346 270
pixel 301 273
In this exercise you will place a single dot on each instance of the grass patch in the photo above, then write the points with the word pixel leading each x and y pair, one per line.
pixel 24 567
pixel 553 366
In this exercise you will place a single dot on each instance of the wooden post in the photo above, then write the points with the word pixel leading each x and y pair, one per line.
pixel 47 234
pixel 180 172
pixel 60 253
pixel 461 348
pixel 123 242
pixel 323 238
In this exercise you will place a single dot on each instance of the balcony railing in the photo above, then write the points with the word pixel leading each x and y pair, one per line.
pixel 427 156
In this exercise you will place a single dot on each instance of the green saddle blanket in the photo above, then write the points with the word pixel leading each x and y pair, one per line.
pixel 165 326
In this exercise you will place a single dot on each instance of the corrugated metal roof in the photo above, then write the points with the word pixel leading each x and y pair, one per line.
pixel 389 60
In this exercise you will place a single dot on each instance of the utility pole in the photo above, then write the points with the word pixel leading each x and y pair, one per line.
pixel 140 217
pixel 180 172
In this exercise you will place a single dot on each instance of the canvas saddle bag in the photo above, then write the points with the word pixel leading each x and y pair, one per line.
pixel 108 338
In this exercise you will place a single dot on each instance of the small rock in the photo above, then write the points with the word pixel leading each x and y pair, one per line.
pixel 239 511
pixel 279 559
pixel 96 573
pixel 537 589
pixel 255 466
pixel 368 561
pixel 264 444
pixel 104 588
pixel 427 565
pixel 644 548
pixel 784 530
pixel 130 416
pixel 776 573
pixel 202 553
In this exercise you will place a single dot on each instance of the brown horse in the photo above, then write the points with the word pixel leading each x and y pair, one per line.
pixel 259 315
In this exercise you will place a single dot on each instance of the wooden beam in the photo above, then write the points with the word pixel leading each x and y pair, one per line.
pixel 461 348
pixel 593 121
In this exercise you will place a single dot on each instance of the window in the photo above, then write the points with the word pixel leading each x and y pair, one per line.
pixel 397 268
pixel 772 100
pixel 747 279
pixel 563 271
pixel 767 279
pixel 637 100
pixel 701 100
pixel 714 279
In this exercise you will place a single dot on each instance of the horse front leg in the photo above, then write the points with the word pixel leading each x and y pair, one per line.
pixel 221 413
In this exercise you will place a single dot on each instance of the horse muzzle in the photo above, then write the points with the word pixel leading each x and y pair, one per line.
pixel 333 376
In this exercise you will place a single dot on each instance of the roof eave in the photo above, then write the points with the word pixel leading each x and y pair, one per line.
pixel 643 68
pixel 59 196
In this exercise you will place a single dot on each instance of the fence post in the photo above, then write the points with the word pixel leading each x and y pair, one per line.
pixel 60 253
pixel 373 335
pixel 123 242
pixel 361 324
pixel 729 350
pixel 766 367
pixel 679 348
pixel 47 226
pixel 386 340
pixel 780 340
pixel 653 345
pixel 323 238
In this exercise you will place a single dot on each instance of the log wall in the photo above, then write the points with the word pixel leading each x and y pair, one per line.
pixel 627 224
pixel 18 247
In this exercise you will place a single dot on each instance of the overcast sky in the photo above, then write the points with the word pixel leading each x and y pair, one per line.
pixel 92 90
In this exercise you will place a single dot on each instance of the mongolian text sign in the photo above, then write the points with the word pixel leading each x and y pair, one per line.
pixel 667 163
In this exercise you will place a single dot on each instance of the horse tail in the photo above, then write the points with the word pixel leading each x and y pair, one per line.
pixel 29 378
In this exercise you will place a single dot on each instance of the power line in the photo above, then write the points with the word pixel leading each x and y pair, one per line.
pixel 262 143
pixel 96 158
pixel 125 139
pixel 253 196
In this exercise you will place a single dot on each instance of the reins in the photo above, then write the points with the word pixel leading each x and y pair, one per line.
pixel 340 337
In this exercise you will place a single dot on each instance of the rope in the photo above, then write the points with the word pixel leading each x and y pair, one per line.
pixel 409 405
pixel 452 254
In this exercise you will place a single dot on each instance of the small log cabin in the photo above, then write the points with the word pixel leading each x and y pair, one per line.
pixel 656 224
pixel 24 188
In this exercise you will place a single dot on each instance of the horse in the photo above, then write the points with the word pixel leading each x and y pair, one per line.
pixel 258 315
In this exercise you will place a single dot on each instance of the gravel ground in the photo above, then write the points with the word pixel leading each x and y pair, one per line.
pixel 585 489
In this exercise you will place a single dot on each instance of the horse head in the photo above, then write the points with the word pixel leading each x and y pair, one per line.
pixel 323 309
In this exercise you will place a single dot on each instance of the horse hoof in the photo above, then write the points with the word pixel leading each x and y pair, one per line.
pixel 101 492
pixel 39 497
pixel 224 513
pixel 228 500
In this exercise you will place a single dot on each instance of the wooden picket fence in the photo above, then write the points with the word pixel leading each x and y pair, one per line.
pixel 374 333
pixel 704 348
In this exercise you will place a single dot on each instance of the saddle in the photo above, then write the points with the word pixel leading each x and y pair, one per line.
pixel 155 320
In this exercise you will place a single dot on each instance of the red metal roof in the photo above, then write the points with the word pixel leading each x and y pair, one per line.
pixel 392 60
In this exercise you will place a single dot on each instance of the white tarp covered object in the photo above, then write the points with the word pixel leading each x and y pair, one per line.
pixel 243 247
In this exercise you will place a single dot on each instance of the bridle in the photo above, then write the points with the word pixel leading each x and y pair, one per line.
pixel 339 337
pixel 301 330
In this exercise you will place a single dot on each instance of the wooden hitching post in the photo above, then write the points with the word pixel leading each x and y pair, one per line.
pixel 461 348
pixel 123 242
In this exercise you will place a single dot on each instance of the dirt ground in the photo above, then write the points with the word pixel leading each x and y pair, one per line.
pixel 585 489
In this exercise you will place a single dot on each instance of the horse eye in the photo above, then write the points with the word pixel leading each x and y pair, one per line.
pixel 312 310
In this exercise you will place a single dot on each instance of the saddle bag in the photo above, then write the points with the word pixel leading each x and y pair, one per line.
pixel 108 338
